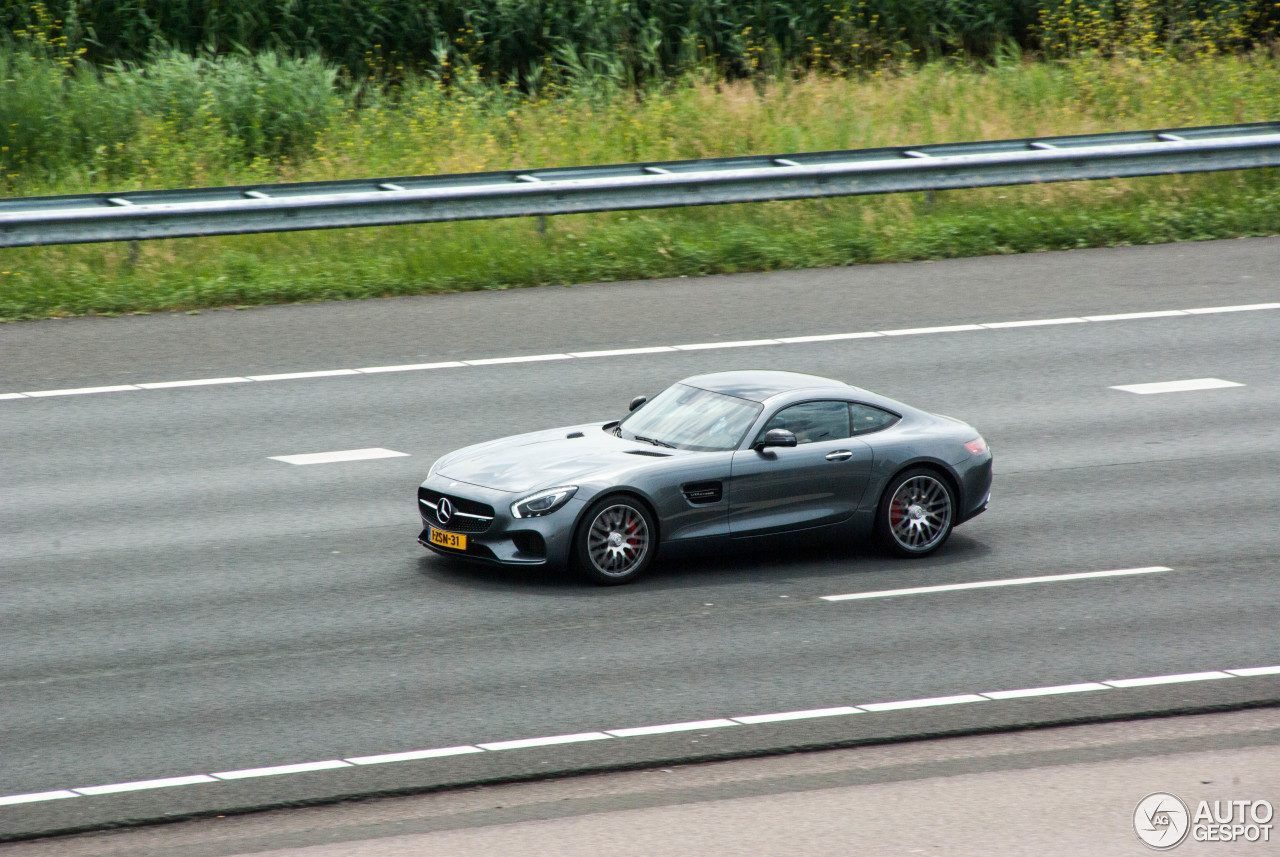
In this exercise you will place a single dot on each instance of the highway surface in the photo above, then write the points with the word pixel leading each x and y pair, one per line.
pixel 176 603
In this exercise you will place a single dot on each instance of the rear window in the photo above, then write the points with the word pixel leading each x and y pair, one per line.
pixel 866 419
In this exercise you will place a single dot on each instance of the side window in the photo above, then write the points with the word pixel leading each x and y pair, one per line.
pixel 867 419
pixel 813 421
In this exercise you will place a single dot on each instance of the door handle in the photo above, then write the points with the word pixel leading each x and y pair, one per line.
pixel 839 455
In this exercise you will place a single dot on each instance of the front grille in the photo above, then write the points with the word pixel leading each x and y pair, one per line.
pixel 468 515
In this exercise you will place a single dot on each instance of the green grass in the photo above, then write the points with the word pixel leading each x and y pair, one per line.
pixel 426 128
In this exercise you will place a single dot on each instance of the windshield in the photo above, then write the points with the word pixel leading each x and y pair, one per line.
pixel 689 418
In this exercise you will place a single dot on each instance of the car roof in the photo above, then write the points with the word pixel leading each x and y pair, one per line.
pixel 759 385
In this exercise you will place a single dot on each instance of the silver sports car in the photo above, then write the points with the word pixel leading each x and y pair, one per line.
pixel 730 456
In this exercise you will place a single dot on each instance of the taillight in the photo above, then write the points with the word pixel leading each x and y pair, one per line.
pixel 977 447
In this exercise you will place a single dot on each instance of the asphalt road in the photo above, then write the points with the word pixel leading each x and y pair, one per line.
pixel 1063 790
pixel 173 602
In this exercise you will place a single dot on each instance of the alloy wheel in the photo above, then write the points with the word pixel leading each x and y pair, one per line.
pixel 920 513
pixel 618 540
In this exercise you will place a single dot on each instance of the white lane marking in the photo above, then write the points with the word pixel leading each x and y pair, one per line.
pixel 532 358
pixel 790 340
pixel 1038 322
pixel 1252 671
pixel 340 455
pixel 1129 316
pixel 1176 386
pixel 917 331
pixel 293 376
pixel 829 337
pixel 198 382
pixel 1044 691
pixel 671 727
pixel 620 352
pixel 754 719
pixel 1237 308
pixel 411 367
pixel 552 740
pixel 278 770
pixel 744 343
pixel 35 797
pixel 988 584
pixel 413 755
pixel 958 699
pixel 1166 679
pixel 167 782
pixel 81 391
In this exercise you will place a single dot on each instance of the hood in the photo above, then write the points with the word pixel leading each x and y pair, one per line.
pixel 545 459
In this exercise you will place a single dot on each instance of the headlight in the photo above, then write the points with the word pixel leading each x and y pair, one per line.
pixel 543 503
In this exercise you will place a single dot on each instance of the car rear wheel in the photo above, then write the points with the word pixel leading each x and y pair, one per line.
pixel 615 542
pixel 916 513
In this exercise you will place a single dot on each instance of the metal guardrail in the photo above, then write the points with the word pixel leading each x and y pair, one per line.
pixel 574 190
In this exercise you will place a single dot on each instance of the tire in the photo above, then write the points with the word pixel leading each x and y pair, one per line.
pixel 916 514
pixel 615 541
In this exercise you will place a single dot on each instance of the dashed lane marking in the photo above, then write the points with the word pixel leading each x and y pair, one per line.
pixel 340 455
pixel 756 719
pixel 1176 386
pixel 294 376
pixel 413 755
pixel 990 584
pixel 280 770
pixel 166 783
pixel 654 349
pixel 37 797
pixel 1167 679
pixel 640 731
pixel 549 741
pixel 199 382
pixel 958 699
pixel 1038 322
pixel 665 728
pixel 81 391
pixel 1044 691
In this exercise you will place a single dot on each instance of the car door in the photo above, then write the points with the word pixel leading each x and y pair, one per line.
pixel 819 481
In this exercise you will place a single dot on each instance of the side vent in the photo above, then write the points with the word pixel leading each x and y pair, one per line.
pixel 574 434
pixel 703 493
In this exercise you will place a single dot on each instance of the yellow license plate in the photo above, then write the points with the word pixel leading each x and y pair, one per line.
pixel 448 540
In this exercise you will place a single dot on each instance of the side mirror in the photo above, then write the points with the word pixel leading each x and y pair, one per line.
pixel 776 437
pixel 637 402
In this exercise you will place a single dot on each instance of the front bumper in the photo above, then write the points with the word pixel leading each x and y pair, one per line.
pixel 507 540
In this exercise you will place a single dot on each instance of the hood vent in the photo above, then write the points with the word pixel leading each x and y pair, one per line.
pixel 702 493
pixel 571 435
pixel 648 453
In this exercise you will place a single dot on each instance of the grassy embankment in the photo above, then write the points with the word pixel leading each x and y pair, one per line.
pixel 427 128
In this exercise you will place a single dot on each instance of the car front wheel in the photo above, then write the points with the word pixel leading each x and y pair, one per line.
pixel 615 542
pixel 916 513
